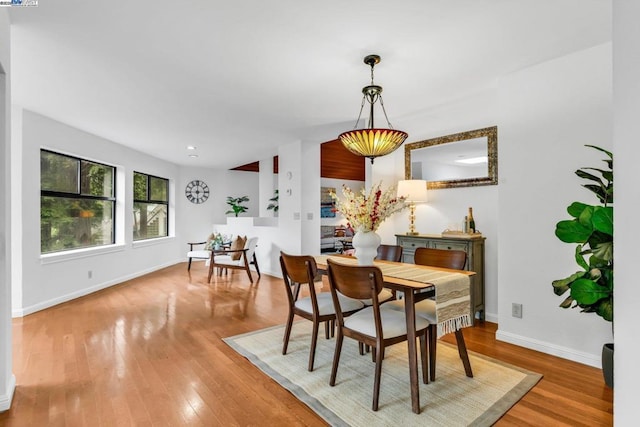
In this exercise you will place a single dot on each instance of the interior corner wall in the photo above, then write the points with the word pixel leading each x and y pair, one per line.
pixel 548 112
pixel 46 283
pixel 7 379
pixel 626 151
pixel 290 184
pixel 448 206
pixel 310 188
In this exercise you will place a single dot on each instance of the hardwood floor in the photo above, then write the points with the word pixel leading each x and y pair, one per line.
pixel 149 352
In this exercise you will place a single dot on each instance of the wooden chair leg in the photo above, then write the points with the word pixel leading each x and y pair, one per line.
pixel 314 341
pixel 255 262
pixel 246 267
pixel 379 352
pixel 336 359
pixel 210 273
pixel 462 351
pixel 287 333
pixel 326 329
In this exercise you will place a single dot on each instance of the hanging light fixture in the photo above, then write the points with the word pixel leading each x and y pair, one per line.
pixel 372 142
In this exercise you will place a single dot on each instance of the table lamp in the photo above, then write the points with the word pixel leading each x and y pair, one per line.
pixel 415 191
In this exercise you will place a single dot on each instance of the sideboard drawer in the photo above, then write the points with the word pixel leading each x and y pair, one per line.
pixel 449 245
pixel 411 244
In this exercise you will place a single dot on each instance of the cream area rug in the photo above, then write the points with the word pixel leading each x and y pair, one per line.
pixel 451 400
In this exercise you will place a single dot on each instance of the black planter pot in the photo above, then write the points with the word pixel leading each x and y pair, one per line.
pixel 607 364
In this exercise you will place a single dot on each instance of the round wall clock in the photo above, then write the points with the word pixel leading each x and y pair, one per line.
pixel 197 191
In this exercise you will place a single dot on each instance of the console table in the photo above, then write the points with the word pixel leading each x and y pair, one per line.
pixel 472 245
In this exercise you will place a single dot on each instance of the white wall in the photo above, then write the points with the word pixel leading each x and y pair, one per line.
pixel 626 104
pixel 449 206
pixel 548 112
pixel 48 280
pixel 7 379
pixel 199 219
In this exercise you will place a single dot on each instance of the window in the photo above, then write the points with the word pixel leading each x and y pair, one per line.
pixel 150 206
pixel 77 203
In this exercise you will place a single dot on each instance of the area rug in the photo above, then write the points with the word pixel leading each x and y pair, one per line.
pixel 452 400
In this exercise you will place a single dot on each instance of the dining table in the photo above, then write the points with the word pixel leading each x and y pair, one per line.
pixel 451 290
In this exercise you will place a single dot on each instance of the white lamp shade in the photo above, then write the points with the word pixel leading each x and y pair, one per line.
pixel 415 190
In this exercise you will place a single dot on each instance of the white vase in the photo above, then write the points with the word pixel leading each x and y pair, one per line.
pixel 366 245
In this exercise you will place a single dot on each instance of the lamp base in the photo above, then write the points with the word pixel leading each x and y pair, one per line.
pixel 412 233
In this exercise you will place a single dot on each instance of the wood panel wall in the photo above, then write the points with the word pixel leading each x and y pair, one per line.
pixel 335 162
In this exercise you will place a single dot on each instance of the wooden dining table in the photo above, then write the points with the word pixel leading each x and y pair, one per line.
pixel 413 292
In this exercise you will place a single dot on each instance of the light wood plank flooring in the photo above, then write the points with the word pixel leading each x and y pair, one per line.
pixel 149 352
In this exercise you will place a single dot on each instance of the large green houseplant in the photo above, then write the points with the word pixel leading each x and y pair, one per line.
pixel 591 227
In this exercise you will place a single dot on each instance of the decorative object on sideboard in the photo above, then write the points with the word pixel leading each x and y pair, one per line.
pixel 591 227
pixel 236 205
pixel 471 159
pixel 197 191
pixel 372 142
pixel 470 222
pixel 414 191
pixel 364 213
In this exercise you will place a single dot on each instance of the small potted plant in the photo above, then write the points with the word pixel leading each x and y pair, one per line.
pixel 273 206
pixel 236 205
pixel 591 227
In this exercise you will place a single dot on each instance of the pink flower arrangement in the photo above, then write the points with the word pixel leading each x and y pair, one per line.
pixel 366 211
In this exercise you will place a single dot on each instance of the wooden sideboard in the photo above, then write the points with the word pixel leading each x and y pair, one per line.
pixel 473 246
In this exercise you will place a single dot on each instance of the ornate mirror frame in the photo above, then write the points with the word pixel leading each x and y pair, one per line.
pixel 492 156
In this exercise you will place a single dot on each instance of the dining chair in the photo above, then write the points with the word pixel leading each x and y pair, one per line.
pixel 442 258
pixel 390 253
pixel 299 270
pixel 387 253
pixel 375 325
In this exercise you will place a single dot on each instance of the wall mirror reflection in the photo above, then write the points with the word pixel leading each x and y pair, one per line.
pixel 463 159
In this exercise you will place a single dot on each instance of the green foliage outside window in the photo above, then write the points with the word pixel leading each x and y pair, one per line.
pixel 150 206
pixel 77 202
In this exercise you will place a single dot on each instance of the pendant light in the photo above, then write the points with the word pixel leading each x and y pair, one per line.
pixel 372 142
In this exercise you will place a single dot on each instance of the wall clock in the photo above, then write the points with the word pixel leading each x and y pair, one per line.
pixel 197 191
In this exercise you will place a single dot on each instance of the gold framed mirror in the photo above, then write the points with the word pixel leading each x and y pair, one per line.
pixel 465 159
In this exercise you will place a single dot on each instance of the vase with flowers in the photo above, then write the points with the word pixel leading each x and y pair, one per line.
pixel 364 212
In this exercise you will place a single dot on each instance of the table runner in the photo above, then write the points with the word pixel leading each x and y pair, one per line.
pixel 452 290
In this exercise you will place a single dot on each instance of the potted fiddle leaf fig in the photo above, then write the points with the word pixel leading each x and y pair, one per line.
pixel 591 227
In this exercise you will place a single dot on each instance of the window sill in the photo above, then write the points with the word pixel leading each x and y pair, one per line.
pixel 80 253
pixel 151 242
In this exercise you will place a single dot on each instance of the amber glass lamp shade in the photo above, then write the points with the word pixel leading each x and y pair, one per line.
pixel 373 143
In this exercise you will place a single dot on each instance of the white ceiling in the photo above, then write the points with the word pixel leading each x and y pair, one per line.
pixel 239 78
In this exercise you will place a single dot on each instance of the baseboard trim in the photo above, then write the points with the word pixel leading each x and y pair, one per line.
pixel 24 311
pixel 6 399
pixel 594 360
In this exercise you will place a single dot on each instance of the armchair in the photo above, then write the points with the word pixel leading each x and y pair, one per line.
pixel 234 258
pixel 197 254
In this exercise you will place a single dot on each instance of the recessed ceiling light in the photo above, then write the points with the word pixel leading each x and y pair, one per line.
pixel 191 147
pixel 193 155
pixel 473 160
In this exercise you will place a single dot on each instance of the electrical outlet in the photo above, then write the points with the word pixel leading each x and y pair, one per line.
pixel 516 310
pixel 90 274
